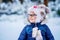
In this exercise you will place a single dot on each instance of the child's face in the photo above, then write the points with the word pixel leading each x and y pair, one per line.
pixel 32 17
pixel 35 17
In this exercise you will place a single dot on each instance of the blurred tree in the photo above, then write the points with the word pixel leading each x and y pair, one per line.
pixel 52 0
pixel 34 0
pixel 46 2
pixel 6 1
pixel 39 1
pixel 21 1
pixel 58 12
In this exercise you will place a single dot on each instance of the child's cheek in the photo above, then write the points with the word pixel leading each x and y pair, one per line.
pixel 32 19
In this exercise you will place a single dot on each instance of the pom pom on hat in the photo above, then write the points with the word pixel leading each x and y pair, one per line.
pixel 35 6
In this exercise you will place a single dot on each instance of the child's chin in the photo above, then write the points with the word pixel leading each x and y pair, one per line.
pixel 32 22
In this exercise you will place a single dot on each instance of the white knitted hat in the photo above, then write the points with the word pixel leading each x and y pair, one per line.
pixel 37 9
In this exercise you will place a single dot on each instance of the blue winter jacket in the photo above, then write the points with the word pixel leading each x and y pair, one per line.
pixel 26 33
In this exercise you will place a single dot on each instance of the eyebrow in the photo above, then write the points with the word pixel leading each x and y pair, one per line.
pixel 31 14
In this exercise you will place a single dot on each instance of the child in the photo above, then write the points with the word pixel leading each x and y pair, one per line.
pixel 35 30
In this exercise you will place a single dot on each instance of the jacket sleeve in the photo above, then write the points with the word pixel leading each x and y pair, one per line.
pixel 23 34
pixel 49 35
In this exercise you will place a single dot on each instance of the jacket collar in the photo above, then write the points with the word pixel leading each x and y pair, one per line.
pixel 35 24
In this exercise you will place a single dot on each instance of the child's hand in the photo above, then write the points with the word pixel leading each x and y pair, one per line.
pixel 34 32
pixel 39 36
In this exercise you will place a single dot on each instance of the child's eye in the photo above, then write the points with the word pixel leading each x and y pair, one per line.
pixel 32 15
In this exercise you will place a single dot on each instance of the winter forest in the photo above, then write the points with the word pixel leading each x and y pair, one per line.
pixel 13 17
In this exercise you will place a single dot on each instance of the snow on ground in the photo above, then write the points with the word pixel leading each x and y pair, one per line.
pixel 54 25
pixel 11 26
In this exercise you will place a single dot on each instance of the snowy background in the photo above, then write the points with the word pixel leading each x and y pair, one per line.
pixel 13 19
